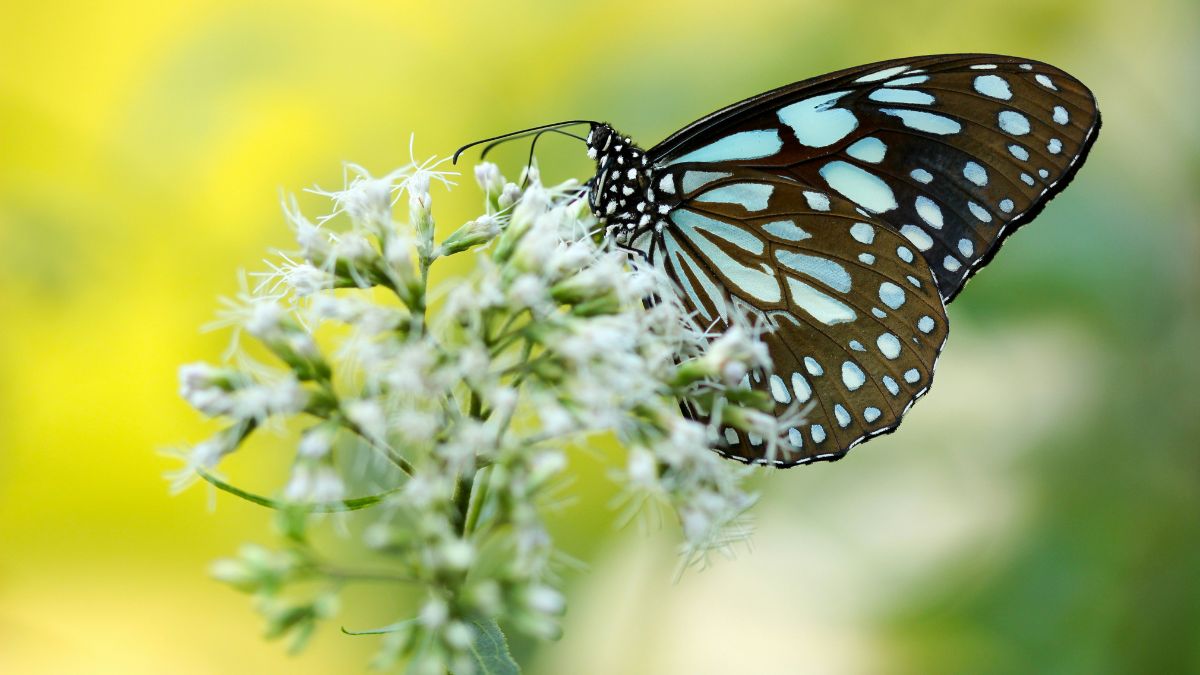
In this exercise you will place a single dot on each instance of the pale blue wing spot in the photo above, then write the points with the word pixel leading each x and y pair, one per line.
pixel 929 211
pixel 690 221
pixel 731 436
pixel 869 149
pixel 682 259
pixel 694 180
pixel 744 145
pixel 951 264
pixel 842 415
pixel 928 122
pixel 1013 122
pixel 912 375
pixel 908 96
pixel 917 236
pixel 984 66
pixel 882 74
pixel 816 122
pixel 862 233
pixel 892 385
pixel 870 414
pixel 820 268
pixel 786 229
pixel 857 346
pixel 892 295
pixel 925 324
pixel 993 86
pixel 1019 152
pixel 1045 81
pixel 813 368
pixel 822 307
pixel 750 196
pixel 979 212
pixel 1054 146
pixel 800 386
pixel 795 437
pixel 908 80
pixel 1027 179
pixel 816 200
pixel 818 433
pixel 889 345
pixel 859 186
pixel 1006 205
pixel 921 176
pixel 852 376
pixel 966 247
pixel 779 390
pixel 1043 173
pixel 867 258
pixel 975 173
pixel 1060 115
pixel 904 254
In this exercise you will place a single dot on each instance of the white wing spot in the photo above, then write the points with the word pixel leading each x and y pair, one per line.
pixel 928 122
pixel 867 258
pixel 951 264
pixel 813 368
pixel 1054 146
pixel 904 254
pixel 903 96
pixel 795 437
pixel 731 436
pixel 871 414
pixel 912 375
pixel 1060 115
pixel 1019 152
pixel 966 247
pixel 925 324
pixel 1027 179
pixel 1006 205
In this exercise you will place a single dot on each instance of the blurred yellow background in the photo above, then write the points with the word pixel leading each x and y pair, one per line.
pixel 1037 513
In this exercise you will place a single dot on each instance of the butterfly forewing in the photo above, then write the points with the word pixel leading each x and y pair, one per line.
pixel 852 316
pixel 951 152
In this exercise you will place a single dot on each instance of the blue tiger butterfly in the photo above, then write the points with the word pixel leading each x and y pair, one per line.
pixel 844 212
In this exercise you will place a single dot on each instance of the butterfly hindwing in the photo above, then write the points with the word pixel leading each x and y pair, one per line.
pixel 852 316
pixel 952 152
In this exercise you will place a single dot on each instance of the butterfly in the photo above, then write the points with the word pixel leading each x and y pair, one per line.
pixel 844 212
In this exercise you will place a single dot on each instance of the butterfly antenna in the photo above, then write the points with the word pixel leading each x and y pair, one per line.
pixel 495 140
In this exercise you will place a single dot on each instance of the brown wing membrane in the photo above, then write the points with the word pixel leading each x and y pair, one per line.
pixel 854 319
pixel 953 152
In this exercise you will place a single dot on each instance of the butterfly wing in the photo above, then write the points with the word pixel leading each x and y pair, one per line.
pixel 953 152
pixel 853 317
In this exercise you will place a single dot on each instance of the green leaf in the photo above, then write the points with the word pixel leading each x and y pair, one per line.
pixel 490 651
pixel 329 507
pixel 393 628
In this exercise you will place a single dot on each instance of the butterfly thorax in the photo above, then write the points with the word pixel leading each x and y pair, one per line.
pixel 622 193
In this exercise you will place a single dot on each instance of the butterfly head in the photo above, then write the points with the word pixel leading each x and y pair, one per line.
pixel 621 194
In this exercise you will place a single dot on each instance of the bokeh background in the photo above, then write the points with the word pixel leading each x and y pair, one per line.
pixel 1038 513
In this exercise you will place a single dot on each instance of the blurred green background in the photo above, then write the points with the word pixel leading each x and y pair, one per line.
pixel 1038 512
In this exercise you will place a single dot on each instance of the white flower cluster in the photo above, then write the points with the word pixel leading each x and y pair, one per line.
pixel 446 430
